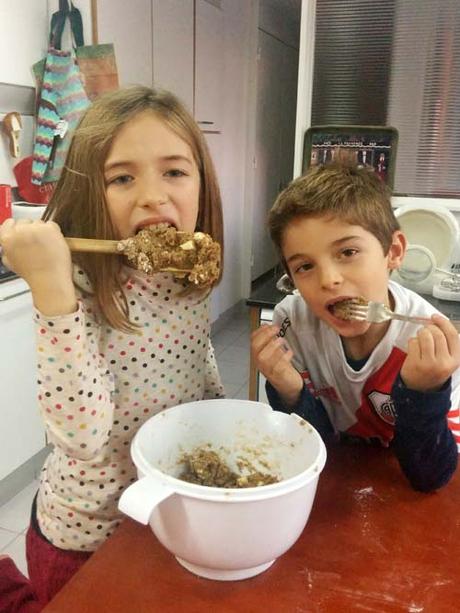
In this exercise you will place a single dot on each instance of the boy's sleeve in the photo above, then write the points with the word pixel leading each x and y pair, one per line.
pixel 307 407
pixel 423 443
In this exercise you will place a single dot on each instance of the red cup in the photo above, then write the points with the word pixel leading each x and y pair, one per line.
pixel 5 202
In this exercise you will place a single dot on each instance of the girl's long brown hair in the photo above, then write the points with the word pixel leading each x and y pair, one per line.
pixel 79 205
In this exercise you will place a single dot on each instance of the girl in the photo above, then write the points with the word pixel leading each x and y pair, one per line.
pixel 115 346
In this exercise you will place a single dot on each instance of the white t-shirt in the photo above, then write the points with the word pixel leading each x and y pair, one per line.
pixel 357 402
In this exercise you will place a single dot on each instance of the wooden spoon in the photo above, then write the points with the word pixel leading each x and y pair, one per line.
pixel 94 245
pixel 98 245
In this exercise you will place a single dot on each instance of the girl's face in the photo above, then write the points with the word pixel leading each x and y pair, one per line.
pixel 151 177
pixel 330 260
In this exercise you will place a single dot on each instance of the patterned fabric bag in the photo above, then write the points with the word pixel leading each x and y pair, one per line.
pixel 98 68
pixel 62 102
pixel 97 63
pixel 67 81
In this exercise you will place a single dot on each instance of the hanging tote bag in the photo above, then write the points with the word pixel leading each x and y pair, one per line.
pixel 61 102
pixel 98 68
pixel 97 63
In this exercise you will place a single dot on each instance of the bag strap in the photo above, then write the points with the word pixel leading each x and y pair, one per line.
pixel 58 20
pixel 76 23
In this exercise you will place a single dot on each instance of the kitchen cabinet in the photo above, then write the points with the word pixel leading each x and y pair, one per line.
pixel 214 142
pixel 188 56
pixel 22 433
pixel 172 44
pixel 275 132
pixel 267 179
pixel 209 65
pixel 173 64
pixel 128 25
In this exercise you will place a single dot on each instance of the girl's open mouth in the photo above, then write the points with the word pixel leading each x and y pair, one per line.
pixel 148 223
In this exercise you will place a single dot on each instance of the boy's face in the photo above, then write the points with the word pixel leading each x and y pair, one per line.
pixel 331 260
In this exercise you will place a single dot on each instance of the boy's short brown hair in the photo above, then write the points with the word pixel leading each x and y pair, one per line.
pixel 355 195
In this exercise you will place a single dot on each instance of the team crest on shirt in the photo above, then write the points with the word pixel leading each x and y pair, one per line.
pixel 384 406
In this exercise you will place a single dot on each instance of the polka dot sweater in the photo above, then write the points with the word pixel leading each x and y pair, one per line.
pixel 97 386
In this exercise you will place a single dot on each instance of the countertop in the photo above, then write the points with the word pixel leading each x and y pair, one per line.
pixel 371 544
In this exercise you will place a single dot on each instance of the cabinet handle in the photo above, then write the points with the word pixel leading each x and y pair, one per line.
pixel 5 298
pixel 207 123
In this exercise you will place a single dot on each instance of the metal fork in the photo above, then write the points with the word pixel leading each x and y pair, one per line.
pixel 377 312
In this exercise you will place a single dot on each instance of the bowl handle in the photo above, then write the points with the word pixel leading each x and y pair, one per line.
pixel 140 498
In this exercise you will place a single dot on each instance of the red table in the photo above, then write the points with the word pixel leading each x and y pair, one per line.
pixel 371 544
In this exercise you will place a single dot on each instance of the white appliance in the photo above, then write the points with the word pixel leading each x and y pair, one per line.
pixel 433 257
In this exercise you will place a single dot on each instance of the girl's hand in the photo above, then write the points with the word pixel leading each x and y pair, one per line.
pixel 33 248
pixel 432 356
pixel 273 358
pixel 37 252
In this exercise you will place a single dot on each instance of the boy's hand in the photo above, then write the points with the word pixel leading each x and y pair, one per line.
pixel 273 358
pixel 37 252
pixel 432 356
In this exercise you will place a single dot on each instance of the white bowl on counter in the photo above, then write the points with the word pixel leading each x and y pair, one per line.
pixel 27 210
pixel 220 533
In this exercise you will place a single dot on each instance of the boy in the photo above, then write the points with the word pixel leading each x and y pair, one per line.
pixel 395 382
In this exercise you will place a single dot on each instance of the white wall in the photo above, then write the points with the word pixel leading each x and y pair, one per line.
pixel 23 41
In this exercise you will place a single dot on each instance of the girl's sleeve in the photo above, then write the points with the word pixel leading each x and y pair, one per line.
pixel 74 383
pixel 213 387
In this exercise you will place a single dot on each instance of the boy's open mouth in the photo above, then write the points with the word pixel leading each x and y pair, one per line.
pixel 341 308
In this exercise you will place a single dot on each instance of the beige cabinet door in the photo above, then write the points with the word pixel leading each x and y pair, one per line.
pixel 128 25
pixel 275 135
pixel 22 432
pixel 209 65
pixel 267 177
pixel 173 48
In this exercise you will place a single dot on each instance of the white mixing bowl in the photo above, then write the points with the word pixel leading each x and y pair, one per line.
pixel 220 533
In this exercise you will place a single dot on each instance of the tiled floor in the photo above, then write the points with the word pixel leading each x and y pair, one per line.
pixel 231 345
pixel 14 521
